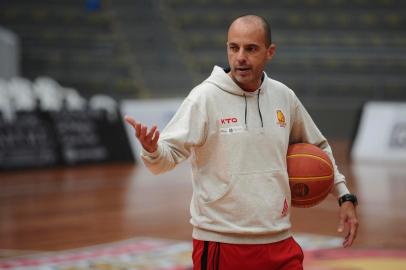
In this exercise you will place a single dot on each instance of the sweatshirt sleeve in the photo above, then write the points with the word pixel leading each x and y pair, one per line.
pixel 186 130
pixel 305 130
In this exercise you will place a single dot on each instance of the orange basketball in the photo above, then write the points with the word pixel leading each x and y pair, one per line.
pixel 311 174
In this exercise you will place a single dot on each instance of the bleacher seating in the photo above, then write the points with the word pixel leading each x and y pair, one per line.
pixel 76 46
pixel 154 47
pixel 335 48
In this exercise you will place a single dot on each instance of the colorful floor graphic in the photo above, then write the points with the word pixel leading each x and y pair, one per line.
pixel 145 254
pixel 349 259
pixel 321 253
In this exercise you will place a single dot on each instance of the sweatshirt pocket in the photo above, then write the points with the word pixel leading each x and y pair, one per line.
pixel 254 202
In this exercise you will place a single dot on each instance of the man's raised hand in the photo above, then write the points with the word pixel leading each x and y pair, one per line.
pixel 148 139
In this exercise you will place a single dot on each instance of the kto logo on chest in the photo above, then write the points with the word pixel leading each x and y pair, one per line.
pixel 230 120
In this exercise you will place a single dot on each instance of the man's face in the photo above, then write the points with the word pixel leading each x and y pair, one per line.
pixel 247 53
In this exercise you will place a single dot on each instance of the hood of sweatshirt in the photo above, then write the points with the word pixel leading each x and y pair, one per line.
pixel 223 81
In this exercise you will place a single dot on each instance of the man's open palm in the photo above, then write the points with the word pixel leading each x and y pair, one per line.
pixel 148 139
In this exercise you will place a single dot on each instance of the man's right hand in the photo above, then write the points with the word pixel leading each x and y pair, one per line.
pixel 148 140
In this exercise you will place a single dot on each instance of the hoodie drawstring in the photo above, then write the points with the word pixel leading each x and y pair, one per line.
pixel 245 98
pixel 259 109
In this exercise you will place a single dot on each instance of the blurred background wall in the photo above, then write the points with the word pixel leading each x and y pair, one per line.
pixel 335 54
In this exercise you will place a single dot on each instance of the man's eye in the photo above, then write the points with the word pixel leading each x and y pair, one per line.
pixel 233 48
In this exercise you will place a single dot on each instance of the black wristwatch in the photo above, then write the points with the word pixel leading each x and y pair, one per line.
pixel 348 198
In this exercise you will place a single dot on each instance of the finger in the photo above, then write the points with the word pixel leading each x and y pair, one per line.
pixel 130 120
pixel 143 131
pixel 353 232
pixel 156 138
pixel 138 130
pixel 341 225
pixel 346 240
pixel 151 132
pixel 341 228
pixel 134 124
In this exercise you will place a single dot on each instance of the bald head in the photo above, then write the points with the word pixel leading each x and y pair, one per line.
pixel 256 21
pixel 249 48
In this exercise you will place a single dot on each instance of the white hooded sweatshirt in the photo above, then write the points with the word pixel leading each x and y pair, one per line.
pixel 237 143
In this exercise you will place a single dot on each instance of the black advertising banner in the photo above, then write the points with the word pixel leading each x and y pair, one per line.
pixel 52 138
pixel 27 142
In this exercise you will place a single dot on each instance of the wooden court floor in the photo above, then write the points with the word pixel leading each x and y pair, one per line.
pixel 63 208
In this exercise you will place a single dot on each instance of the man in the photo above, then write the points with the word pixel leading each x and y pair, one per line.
pixel 230 125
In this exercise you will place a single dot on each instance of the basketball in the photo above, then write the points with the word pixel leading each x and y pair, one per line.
pixel 311 174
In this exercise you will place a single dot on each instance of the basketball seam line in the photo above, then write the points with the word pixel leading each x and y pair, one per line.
pixel 316 157
pixel 312 177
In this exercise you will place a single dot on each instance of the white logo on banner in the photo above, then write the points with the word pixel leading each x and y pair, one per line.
pixel 398 136
pixel 381 134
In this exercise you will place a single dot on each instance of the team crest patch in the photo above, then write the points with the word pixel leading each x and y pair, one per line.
pixel 281 118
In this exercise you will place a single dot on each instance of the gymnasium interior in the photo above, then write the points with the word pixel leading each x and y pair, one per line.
pixel 74 193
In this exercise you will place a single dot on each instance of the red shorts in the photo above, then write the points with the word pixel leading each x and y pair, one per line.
pixel 283 255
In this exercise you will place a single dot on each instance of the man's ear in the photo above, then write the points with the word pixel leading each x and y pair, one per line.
pixel 271 51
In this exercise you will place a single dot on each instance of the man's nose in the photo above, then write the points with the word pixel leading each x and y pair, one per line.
pixel 241 56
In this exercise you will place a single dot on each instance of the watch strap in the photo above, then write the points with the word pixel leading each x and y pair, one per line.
pixel 348 198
